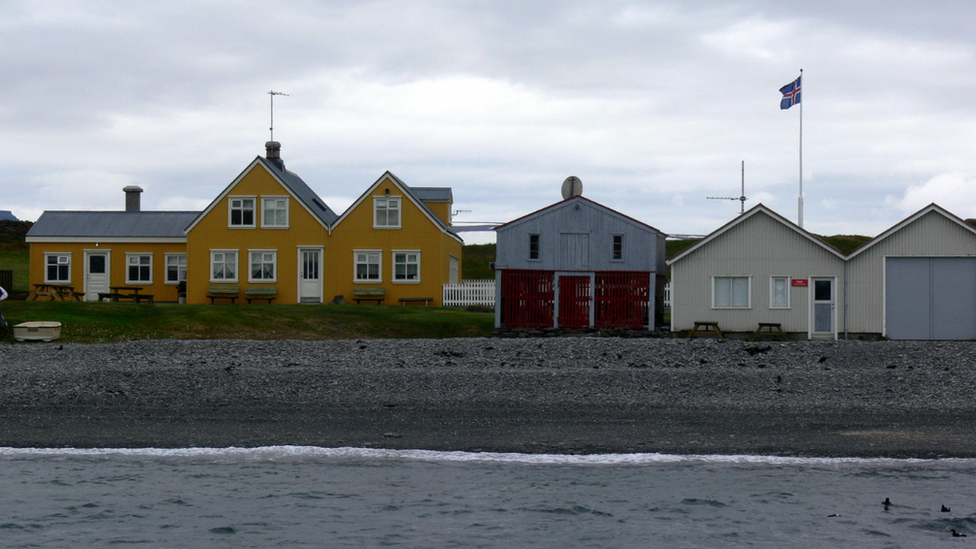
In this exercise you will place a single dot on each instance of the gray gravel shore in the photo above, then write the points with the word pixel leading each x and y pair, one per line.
pixel 551 395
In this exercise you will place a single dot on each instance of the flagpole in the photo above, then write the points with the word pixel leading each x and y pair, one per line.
pixel 799 216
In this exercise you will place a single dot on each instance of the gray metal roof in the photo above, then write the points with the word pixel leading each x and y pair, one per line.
pixel 60 224
pixel 416 198
pixel 433 194
pixel 302 191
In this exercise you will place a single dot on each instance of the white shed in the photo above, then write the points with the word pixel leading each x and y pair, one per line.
pixel 759 268
pixel 917 280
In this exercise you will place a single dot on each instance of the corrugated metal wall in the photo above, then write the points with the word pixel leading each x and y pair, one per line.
pixel 572 238
pixel 759 247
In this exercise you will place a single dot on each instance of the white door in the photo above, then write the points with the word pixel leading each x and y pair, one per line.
pixel 96 274
pixel 310 275
pixel 453 276
pixel 823 319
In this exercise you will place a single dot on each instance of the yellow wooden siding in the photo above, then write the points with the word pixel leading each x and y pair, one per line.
pixel 416 232
pixel 213 233
pixel 441 210
pixel 117 264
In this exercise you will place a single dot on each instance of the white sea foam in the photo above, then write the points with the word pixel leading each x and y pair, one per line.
pixel 271 453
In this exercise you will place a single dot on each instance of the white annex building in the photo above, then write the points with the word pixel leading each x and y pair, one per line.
pixel 917 280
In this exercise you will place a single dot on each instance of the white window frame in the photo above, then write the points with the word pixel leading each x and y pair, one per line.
pixel 138 256
pixel 266 256
pixel 265 224
pixel 538 247
pixel 366 259
pixel 231 208
pixel 406 263
pixel 613 247
pixel 732 300
pixel 385 222
pixel 66 257
pixel 180 268
pixel 237 265
pixel 772 292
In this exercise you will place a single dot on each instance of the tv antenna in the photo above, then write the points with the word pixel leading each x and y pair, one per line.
pixel 273 93
pixel 742 199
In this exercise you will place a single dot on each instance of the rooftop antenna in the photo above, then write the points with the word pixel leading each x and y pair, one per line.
pixel 273 93
pixel 742 198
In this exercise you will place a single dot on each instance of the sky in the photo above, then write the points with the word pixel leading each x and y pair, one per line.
pixel 654 105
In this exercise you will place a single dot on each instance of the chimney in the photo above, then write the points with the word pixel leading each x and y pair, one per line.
pixel 132 193
pixel 274 153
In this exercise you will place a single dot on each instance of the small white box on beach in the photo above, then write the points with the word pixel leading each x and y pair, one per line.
pixel 37 331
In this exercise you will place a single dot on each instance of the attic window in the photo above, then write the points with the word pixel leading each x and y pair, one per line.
pixel 618 247
pixel 241 211
pixel 386 213
pixel 274 211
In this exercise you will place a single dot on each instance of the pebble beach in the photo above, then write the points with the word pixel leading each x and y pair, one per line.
pixel 531 395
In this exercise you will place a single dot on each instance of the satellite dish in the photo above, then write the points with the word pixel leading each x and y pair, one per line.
pixel 572 186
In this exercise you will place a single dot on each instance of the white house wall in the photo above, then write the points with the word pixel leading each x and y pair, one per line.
pixel 932 235
pixel 759 247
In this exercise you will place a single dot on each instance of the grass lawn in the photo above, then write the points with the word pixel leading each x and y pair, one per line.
pixel 112 322
pixel 19 263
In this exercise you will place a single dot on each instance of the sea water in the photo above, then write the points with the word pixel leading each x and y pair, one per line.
pixel 318 497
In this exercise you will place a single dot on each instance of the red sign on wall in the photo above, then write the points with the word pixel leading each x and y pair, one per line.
pixel 800 283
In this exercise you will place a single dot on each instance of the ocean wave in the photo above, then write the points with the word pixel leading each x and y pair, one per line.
pixel 271 453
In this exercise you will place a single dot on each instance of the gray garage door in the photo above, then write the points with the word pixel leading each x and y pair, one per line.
pixel 930 297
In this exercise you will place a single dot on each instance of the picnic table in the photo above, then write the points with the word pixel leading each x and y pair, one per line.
pixel 126 293
pixel 53 292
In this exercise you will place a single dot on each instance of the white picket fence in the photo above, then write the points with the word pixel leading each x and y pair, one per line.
pixel 470 292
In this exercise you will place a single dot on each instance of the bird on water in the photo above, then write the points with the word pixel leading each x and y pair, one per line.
pixel 957 534
pixel 945 509
pixel 886 503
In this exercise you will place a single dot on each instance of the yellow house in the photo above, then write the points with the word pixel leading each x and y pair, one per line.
pixel 397 238
pixel 267 229
pixel 267 236
pixel 93 251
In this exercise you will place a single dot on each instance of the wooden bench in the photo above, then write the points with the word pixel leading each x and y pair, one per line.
pixel 774 329
pixel 115 296
pixel 706 327
pixel 369 294
pixel 220 291
pixel 425 300
pixel 268 293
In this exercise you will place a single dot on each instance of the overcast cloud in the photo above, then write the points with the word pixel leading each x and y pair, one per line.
pixel 652 104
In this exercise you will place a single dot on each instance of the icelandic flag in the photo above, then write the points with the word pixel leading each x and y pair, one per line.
pixel 791 94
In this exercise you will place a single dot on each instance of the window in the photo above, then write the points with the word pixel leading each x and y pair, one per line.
pixel 241 211
pixel 138 268
pixel 368 264
pixel 274 211
pixel 618 247
pixel 730 291
pixel 223 265
pixel 58 268
pixel 386 212
pixel 263 265
pixel 175 268
pixel 779 292
pixel 406 266
pixel 533 246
